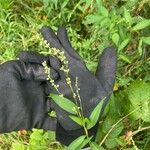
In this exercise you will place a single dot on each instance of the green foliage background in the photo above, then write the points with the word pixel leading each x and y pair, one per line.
pixel 92 26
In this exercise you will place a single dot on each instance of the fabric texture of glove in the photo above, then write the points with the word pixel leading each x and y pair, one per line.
pixel 23 102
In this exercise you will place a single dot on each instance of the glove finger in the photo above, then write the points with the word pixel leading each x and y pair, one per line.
pixel 51 38
pixel 63 37
pixel 29 71
pixel 37 72
pixel 32 57
pixel 106 69
pixel 54 63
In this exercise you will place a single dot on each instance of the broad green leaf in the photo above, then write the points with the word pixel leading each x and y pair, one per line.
pixel 146 40
pixel 141 25
pixel 111 143
pixel 115 38
pixel 139 95
pixel 95 146
pixel 125 58
pixel 95 114
pixel 77 143
pixel 123 44
pixel 127 16
pixel 121 141
pixel 64 103
pixel 77 120
pixel 94 19
pixel 116 131
pixel 112 117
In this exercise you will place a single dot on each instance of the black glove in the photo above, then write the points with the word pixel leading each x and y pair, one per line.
pixel 23 102
pixel 93 88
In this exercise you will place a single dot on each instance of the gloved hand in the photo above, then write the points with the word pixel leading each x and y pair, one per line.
pixel 93 88
pixel 23 102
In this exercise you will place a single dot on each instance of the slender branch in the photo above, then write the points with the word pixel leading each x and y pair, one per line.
pixel 139 130
pixel 111 129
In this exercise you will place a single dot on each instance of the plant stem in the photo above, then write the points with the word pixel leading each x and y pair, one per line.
pixel 105 137
pixel 139 130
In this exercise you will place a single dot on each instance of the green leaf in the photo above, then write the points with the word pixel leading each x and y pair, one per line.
pixel 123 44
pixel 87 4
pixel 139 95
pixel 5 4
pixel 85 142
pixel 127 16
pixel 94 19
pixel 111 143
pixel 121 141
pixel 64 103
pixel 77 120
pixel 39 139
pixel 116 131
pixel 76 143
pixel 18 146
pixel 146 40
pixel 125 58
pixel 141 25
pixel 101 9
pixel 95 115
pixel 115 38
pixel 104 11
pixel 105 22
pixel 52 114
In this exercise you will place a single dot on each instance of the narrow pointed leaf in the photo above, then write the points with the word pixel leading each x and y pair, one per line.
pixel 123 44
pixel 76 143
pixel 77 120
pixel 146 40
pixel 127 15
pixel 95 115
pixel 64 103
pixel 86 141
pixel 115 38
pixel 141 25
pixel 125 58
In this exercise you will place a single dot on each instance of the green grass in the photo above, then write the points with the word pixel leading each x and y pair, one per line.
pixel 92 25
